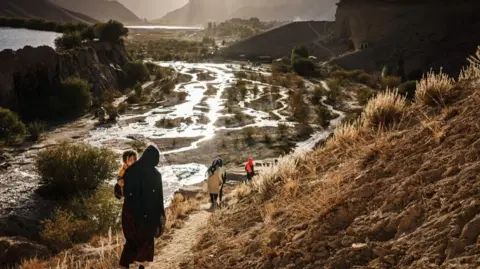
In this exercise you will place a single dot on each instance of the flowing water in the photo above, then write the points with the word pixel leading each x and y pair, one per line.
pixel 18 183
pixel 15 39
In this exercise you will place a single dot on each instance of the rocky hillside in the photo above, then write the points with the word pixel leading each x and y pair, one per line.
pixel 101 10
pixel 36 69
pixel 197 12
pixel 415 32
pixel 280 41
pixel 406 195
pixel 43 9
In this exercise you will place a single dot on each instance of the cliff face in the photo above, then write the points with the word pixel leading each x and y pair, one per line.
pixel 36 69
pixel 423 34
pixel 101 10
pixel 202 11
pixel 42 9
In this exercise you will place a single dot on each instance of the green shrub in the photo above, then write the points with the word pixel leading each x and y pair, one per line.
pixel 281 65
pixel 71 169
pixel 300 51
pixel 36 129
pixel 408 89
pixel 111 31
pixel 72 99
pixel 138 90
pixel 10 126
pixel 317 95
pixel 182 96
pixel 303 66
pixel 81 219
pixel 391 82
pixel 363 95
pixel 68 41
pixel 133 99
pixel 323 116
pixel 137 71
pixel 88 33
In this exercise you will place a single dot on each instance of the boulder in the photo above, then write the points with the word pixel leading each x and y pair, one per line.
pixel 14 250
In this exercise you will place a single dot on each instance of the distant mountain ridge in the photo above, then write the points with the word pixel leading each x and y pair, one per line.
pixel 101 10
pixel 41 9
pixel 197 12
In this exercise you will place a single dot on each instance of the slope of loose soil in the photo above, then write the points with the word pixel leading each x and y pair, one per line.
pixel 406 198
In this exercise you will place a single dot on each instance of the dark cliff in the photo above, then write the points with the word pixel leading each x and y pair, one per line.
pixel 422 34
pixel 34 71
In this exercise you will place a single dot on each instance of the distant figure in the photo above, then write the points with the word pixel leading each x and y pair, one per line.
pixel 214 181
pixel 143 214
pixel 250 169
pixel 129 157
pixel 223 175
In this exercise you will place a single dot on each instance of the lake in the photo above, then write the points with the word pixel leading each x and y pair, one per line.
pixel 11 38
pixel 163 27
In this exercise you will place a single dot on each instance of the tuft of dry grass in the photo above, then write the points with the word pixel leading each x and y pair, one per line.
pixel 385 110
pixel 179 210
pixel 243 190
pixel 346 135
pixel 472 71
pixel 434 89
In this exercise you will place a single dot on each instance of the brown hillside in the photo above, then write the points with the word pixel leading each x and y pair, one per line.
pixel 100 10
pixel 424 34
pixel 280 41
pixel 42 9
pixel 408 197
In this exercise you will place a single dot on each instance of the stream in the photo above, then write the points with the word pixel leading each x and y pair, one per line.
pixel 19 181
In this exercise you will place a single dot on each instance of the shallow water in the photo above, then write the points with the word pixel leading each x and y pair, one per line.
pixel 15 39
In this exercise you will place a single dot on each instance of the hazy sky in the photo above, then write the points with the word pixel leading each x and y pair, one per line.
pixel 152 9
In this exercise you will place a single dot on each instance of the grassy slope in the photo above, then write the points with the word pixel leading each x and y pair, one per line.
pixel 405 198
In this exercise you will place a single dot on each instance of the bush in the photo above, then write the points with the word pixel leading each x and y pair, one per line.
pixel 81 219
pixel 72 169
pixel 434 89
pixel 281 65
pixel 138 90
pixel 384 110
pixel 88 33
pixel 300 51
pixel 391 81
pixel 36 129
pixel 303 66
pixel 249 132
pixel 137 71
pixel 408 89
pixel 323 116
pixel 72 99
pixel 10 126
pixel 111 31
pixel 317 95
pixel 68 41
pixel 182 96
pixel 282 128
pixel 364 95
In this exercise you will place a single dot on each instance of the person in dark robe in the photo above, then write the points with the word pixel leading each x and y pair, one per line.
pixel 143 213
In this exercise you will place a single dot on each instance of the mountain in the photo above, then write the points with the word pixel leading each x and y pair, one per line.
pixel 152 9
pixel 42 9
pixel 101 10
pixel 201 11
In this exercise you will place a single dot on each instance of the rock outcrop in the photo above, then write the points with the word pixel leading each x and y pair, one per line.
pixel 421 34
pixel 40 9
pixel 14 249
pixel 34 69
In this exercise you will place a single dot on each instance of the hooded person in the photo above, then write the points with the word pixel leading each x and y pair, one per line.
pixel 143 213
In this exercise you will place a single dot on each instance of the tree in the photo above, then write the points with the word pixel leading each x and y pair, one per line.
pixel 137 71
pixel 111 31
pixel 303 66
pixel 73 98
pixel 68 41
pixel 300 51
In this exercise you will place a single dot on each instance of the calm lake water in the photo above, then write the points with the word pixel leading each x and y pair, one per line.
pixel 11 38
pixel 163 27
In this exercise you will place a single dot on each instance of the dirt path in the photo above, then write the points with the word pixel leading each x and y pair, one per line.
pixel 180 248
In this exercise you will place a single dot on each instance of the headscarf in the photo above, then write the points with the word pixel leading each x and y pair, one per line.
pixel 217 162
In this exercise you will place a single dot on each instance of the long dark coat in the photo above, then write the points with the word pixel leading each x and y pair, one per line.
pixel 142 208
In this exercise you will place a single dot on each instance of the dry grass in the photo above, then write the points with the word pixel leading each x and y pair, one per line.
pixel 434 89
pixel 179 210
pixel 472 71
pixel 346 135
pixel 243 190
pixel 383 111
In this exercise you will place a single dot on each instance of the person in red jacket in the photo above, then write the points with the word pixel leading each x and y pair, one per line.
pixel 250 169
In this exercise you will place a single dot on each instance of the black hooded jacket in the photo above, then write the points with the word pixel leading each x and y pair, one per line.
pixel 143 192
